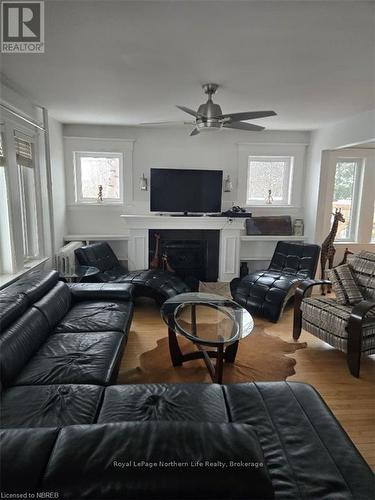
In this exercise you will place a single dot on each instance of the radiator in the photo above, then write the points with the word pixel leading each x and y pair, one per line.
pixel 65 259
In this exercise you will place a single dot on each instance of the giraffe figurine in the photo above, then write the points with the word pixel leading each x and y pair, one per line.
pixel 345 258
pixel 328 250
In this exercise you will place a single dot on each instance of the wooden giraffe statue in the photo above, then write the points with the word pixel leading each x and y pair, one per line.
pixel 345 258
pixel 328 250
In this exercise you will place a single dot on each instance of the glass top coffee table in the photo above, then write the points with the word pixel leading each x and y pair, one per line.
pixel 77 273
pixel 209 321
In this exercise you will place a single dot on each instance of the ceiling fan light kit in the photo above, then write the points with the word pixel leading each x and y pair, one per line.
pixel 210 117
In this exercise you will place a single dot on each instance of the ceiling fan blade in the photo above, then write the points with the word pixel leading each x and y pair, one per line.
pixel 189 111
pixel 243 126
pixel 195 132
pixel 247 115
pixel 164 124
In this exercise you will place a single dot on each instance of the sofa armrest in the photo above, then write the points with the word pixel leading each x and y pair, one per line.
pixel 299 295
pixel 307 284
pixel 354 328
pixel 101 291
pixel 360 311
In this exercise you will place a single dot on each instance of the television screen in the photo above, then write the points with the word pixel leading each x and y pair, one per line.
pixel 178 190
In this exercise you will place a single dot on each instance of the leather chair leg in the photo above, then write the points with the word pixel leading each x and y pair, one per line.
pixel 354 362
pixel 297 315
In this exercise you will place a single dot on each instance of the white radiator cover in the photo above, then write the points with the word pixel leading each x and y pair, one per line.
pixel 65 260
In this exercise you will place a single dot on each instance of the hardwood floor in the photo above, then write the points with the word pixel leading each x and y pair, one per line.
pixel 351 400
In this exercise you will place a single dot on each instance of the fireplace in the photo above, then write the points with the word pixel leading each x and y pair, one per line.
pixel 192 254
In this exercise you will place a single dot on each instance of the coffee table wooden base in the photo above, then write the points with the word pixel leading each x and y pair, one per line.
pixel 215 370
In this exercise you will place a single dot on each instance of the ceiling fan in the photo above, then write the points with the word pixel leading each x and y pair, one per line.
pixel 210 117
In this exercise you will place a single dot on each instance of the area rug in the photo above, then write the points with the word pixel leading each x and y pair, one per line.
pixel 260 357
pixel 217 288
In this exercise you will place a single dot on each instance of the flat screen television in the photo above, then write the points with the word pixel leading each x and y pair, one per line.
pixel 181 190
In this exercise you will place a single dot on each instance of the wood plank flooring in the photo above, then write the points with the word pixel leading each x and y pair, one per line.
pixel 351 400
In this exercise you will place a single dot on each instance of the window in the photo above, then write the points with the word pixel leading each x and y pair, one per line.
pixel 5 247
pixel 98 177
pixel 269 174
pixel 28 197
pixel 346 195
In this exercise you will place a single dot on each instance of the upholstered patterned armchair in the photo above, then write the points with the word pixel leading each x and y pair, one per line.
pixel 349 328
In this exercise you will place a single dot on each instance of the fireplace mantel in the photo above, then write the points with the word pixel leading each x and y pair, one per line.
pixel 230 233
pixel 172 222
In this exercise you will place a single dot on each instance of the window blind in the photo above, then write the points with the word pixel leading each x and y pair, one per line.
pixel 24 152
pixel 2 153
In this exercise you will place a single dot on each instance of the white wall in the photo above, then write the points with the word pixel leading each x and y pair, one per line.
pixel 164 147
pixel 58 180
pixel 353 131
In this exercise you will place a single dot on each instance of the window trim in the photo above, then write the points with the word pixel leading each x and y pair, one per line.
pixel 297 150
pixel 287 181
pixel 356 196
pixel 79 200
pixel 25 134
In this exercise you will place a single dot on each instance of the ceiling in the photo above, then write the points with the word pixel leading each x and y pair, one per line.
pixel 127 62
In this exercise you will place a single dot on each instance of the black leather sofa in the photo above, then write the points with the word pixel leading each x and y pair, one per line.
pixel 157 284
pixel 265 293
pixel 261 440
pixel 68 434
pixel 54 333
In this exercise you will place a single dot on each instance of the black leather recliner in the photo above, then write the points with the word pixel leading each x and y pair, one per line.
pixel 265 293
pixel 154 283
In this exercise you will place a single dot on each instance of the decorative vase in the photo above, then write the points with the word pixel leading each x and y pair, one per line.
pixel 244 269
pixel 269 198
pixel 298 227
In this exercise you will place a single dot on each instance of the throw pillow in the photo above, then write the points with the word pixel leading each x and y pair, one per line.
pixel 344 285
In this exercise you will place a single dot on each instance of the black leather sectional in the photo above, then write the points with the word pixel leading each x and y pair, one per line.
pixel 59 345
pixel 70 434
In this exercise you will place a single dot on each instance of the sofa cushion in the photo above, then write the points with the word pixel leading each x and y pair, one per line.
pixel 99 291
pixel 49 405
pixel 25 454
pixel 344 285
pixel 111 461
pixel 34 284
pixel 20 342
pixel 55 304
pixel 97 316
pixel 328 320
pixel 88 358
pixel 363 267
pixel 11 307
pixel 179 402
pixel 307 452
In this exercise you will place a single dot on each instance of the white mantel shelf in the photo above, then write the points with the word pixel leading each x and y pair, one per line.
pixel 260 237
pixel 180 222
